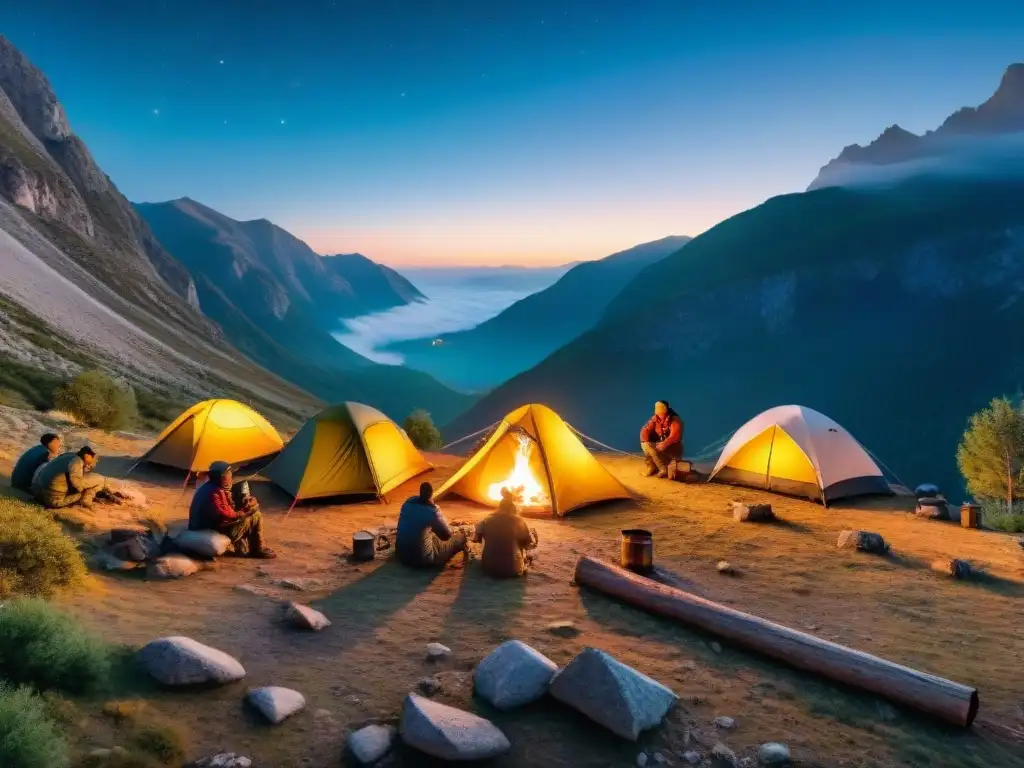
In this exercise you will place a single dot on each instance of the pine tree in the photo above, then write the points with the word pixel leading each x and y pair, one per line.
pixel 991 453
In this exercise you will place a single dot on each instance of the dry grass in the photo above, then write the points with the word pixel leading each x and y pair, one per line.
pixel 383 616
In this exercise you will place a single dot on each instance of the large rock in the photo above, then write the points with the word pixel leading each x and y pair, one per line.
pixel 183 661
pixel 276 703
pixel 773 753
pixel 862 541
pixel 208 544
pixel 172 567
pixel 371 743
pixel 304 617
pixel 607 691
pixel 513 674
pixel 448 733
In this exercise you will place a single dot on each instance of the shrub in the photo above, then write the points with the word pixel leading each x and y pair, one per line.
pixel 421 430
pixel 46 648
pixel 36 558
pixel 994 515
pixel 28 737
pixel 162 742
pixel 98 401
pixel 991 452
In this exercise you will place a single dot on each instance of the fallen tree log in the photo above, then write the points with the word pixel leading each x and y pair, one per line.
pixel 952 702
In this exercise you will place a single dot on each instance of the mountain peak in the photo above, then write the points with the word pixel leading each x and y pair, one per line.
pixel 31 94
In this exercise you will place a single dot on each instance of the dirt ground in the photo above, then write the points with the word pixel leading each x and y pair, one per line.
pixel 383 616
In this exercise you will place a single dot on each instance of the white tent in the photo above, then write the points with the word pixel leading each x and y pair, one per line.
pixel 798 451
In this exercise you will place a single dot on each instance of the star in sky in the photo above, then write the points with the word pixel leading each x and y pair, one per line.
pixel 221 61
pixel 282 122
pixel 156 112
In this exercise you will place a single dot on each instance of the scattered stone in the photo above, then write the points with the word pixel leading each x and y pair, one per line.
pixel 716 646
pixel 958 569
pixel 747 762
pixel 276 703
pixel 724 722
pixel 172 567
pixel 661 759
pixel 725 568
pixel 612 694
pixel 304 617
pixel 371 743
pixel 773 753
pixel 563 629
pixel 296 583
pixel 513 674
pixel 752 513
pixel 252 589
pixel 428 686
pixel 691 757
pixel 437 651
pixel 641 759
pixel 723 754
pixel 862 541
pixel 223 760
pixel 207 544
pixel 448 733
pixel 183 661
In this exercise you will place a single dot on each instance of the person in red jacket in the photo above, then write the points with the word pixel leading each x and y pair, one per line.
pixel 214 509
pixel 661 440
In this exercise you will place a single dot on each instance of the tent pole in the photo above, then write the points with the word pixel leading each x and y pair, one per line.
pixel 133 466
pixel 768 464
pixel 295 500
pixel 185 486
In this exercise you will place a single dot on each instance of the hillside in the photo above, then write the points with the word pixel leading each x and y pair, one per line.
pixel 534 327
pixel 1002 114
pixel 890 310
pixel 84 281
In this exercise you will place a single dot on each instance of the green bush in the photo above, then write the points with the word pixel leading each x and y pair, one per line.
pixel 36 557
pixel 22 384
pixel 421 430
pixel 46 648
pixel 98 401
pixel 995 516
pixel 163 742
pixel 28 737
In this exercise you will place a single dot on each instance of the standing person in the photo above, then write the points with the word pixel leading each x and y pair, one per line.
pixel 424 539
pixel 213 509
pixel 48 449
pixel 69 479
pixel 661 440
pixel 506 539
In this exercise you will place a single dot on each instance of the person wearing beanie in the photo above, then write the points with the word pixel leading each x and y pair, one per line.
pixel 31 460
pixel 506 539
pixel 214 509
pixel 661 440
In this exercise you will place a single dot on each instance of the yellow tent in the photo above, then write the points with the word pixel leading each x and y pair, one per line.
pixel 214 430
pixel 346 449
pixel 534 449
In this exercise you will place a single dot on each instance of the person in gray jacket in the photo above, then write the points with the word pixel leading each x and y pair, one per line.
pixel 32 459
pixel 68 480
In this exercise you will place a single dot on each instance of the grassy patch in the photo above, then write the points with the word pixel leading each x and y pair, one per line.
pixel 994 515
pixel 98 401
pixel 29 738
pixel 156 411
pixel 46 648
pixel 33 385
pixel 36 557
pixel 163 742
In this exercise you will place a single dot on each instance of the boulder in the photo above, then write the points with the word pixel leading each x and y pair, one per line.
pixel 172 567
pixel 223 760
pixel 428 686
pixel 304 617
pixel 207 544
pixel 448 733
pixel 752 513
pixel 371 743
pixel 513 674
pixel 862 541
pixel 437 651
pixel 612 694
pixel 725 568
pixel 724 722
pixel 183 661
pixel 773 753
pixel 276 703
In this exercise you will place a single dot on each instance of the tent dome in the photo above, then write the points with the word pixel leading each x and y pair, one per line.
pixel 795 450
pixel 214 430
pixel 346 449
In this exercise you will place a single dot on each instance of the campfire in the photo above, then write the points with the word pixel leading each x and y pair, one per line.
pixel 521 480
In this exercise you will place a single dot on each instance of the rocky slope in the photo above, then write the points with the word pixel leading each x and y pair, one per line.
pixel 1001 115
pixel 896 311
pixel 534 327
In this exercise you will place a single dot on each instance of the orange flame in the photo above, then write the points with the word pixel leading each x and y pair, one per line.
pixel 521 480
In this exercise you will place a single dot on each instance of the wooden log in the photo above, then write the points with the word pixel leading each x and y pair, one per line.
pixel 951 702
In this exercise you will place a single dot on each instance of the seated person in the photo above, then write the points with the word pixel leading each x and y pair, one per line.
pixel 506 538
pixel 424 539
pixel 69 479
pixel 661 440
pixel 48 449
pixel 214 509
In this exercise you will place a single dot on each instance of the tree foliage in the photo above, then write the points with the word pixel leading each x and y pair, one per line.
pixel 991 452
pixel 421 430
pixel 98 401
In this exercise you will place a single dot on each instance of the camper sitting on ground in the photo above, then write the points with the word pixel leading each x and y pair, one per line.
pixel 213 509
pixel 69 479
pixel 31 460
pixel 661 440
pixel 506 539
pixel 424 539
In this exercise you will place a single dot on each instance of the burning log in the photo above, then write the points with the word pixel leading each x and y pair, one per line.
pixel 951 702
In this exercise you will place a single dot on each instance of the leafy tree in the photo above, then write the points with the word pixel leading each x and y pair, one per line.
pixel 421 430
pixel 991 453
pixel 98 401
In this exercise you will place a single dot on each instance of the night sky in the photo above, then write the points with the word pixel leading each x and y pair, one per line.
pixel 480 131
